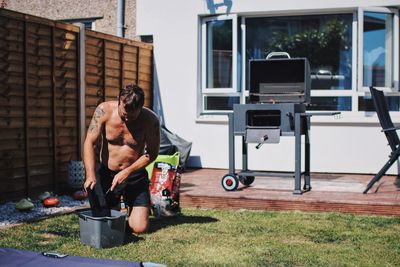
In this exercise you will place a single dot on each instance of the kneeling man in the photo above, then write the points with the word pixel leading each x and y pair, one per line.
pixel 129 135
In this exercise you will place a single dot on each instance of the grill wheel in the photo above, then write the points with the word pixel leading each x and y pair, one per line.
pixel 246 180
pixel 230 182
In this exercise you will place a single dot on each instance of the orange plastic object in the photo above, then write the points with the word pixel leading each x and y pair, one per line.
pixel 51 202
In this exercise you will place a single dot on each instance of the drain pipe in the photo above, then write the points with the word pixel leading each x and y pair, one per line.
pixel 121 18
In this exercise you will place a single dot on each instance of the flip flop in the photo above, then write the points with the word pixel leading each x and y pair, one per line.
pixel 24 204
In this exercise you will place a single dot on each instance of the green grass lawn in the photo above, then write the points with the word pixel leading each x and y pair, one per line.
pixel 232 238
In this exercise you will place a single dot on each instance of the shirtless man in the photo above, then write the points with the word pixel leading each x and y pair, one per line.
pixel 130 137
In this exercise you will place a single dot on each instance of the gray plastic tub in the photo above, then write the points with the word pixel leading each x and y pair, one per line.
pixel 102 232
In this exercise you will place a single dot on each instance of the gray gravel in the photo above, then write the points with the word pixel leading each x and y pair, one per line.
pixel 10 216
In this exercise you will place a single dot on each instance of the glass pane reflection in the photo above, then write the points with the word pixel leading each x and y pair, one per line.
pixel 339 103
pixel 366 103
pixel 377 51
pixel 219 54
pixel 326 40
pixel 220 102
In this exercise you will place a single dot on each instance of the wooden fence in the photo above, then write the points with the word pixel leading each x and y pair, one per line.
pixel 40 92
pixel 112 62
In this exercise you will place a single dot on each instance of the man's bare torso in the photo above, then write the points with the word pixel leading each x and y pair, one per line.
pixel 124 142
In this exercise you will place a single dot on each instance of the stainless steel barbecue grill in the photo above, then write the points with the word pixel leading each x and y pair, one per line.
pixel 279 91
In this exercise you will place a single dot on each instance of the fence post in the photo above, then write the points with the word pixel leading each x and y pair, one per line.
pixel 137 65
pixel 54 108
pixel 104 71
pixel 26 110
pixel 122 74
pixel 82 88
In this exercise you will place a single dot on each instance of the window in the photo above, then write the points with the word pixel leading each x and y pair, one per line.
pixel 219 54
pixel 146 38
pixel 326 40
pixel 377 58
pixel 219 63
pixel 365 103
pixel 348 52
pixel 377 49
pixel 89 23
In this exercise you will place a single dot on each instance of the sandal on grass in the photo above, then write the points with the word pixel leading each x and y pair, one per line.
pixel 24 204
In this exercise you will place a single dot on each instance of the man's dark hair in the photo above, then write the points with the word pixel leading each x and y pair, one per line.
pixel 132 95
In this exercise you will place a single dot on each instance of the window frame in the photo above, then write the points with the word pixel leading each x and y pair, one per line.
pixel 231 91
pixel 357 89
pixel 92 21
pixel 314 92
pixel 395 48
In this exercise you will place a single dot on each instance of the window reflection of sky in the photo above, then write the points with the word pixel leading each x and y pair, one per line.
pixel 374 38
pixel 377 49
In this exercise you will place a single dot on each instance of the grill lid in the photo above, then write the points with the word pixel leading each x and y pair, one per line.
pixel 285 80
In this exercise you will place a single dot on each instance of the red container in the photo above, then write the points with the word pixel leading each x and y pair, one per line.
pixel 51 202
pixel 164 189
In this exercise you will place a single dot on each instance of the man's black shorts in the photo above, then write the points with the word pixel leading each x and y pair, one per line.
pixel 135 189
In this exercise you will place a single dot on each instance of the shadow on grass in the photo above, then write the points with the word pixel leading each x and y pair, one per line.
pixel 59 233
pixel 131 238
pixel 157 224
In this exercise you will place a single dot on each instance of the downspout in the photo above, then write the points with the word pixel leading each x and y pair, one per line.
pixel 82 87
pixel 121 18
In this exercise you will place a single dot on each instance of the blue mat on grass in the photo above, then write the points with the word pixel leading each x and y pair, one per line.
pixel 23 258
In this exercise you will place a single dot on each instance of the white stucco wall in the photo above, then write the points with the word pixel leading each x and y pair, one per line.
pixel 351 144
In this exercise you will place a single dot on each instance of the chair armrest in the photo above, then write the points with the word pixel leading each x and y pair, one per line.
pixel 391 129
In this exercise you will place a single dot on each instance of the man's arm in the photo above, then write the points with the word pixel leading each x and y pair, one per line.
pixel 92 137
pixel 153 141
pixel 152 149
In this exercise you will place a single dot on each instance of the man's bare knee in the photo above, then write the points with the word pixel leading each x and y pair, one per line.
pixel 139 220
pixel 138 228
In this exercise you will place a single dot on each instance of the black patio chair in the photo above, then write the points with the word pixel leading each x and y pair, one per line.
pixel 390 132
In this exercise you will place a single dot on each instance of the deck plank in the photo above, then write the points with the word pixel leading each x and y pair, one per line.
pixel 202 188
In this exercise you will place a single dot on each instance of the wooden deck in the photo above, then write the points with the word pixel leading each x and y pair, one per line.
pixel 330 193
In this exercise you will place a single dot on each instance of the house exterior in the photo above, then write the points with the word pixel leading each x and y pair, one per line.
pixel 98 15
pixel 202 50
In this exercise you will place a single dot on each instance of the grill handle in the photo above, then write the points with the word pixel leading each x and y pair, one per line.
pixel 265 137
pixel 278 54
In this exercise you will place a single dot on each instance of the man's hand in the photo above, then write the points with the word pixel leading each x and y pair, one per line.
pixel 93 137
pixel 119 178
pixel 89 183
